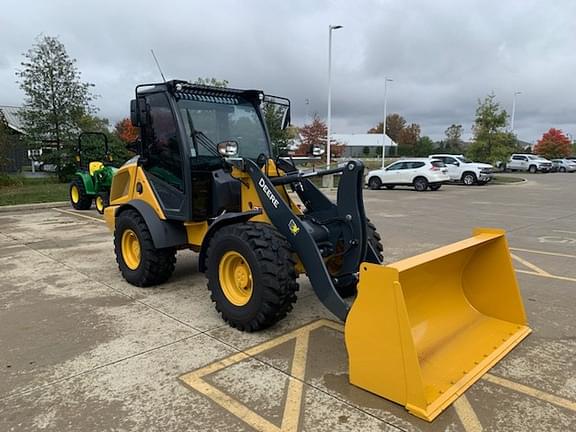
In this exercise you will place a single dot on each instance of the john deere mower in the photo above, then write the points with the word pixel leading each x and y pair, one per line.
pixel 419 332
pixel 93 179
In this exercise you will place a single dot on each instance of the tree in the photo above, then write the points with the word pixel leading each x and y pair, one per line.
pixel 553 144
pixel 492 142
pixel 314 134
pixel 56 99
pixel 453 142
pixel 395 123
pixel 125 131
pixel 279 137
pixel 212 82
pixel 408 139
pixel 424 147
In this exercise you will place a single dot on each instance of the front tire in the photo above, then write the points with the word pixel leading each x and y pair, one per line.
pixel 102 201
pixel 562 169
pixel 251 275
pixel 469 179
pixel 532 169
pixel 420 184
pixel 79 199
pixel 374 183
pixel 140 263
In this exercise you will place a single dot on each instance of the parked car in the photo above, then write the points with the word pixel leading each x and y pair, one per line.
pixel 461 169
pixel 422 173
pixel 563 165
pixel 528 162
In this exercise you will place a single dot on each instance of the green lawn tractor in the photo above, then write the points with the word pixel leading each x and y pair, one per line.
pixel 92 180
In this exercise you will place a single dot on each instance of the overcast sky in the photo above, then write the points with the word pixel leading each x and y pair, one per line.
pixel 442 55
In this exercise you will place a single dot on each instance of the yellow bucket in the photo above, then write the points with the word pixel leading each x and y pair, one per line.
pixel 424 329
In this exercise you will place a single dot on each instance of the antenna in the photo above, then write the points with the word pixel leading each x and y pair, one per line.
pixel 157 64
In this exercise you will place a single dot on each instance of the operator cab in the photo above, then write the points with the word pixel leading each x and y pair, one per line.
pixel 189 133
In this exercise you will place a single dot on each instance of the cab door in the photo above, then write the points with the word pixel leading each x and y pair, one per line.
pixel 453 167
pixel 164 160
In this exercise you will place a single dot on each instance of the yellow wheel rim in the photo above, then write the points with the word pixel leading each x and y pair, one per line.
pixel 235 278
pixel 99 204
pixel 131 249
pixel 74 194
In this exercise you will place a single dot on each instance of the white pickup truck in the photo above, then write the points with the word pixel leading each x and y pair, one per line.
pixel 461 169
pixel 528 162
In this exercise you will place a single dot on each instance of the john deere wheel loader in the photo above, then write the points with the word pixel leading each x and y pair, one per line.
pixel 92 180
pixel 419 332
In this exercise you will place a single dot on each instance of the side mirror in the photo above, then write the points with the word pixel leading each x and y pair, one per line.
pixel 228 148
pixel 139 112
pixel 285 119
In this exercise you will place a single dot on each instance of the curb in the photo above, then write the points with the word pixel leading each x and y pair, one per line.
pixel 35 206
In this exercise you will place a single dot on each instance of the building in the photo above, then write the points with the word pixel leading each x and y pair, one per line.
pixel 365 145
pixel 13 155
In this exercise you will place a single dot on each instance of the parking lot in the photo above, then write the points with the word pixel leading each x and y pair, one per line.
pixel 80 349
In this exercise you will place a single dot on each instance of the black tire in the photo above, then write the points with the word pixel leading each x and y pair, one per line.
pixel 532 169
pixel 435 187
pixel 374 183
pixel 469 178
pixel 272 266
pixel 375 240
pixel 390 187
pixel 156 265
pixel 84 201
pixel 420 184
pixel 562 169
pixel 105 197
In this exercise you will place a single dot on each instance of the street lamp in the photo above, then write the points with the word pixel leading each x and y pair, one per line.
pixel 386 81
pixel 329 121
pixel 514 110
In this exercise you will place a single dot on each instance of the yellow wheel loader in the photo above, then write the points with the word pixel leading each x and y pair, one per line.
pixel 419 332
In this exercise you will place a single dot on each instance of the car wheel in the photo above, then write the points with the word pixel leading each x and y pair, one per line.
pixel 374 183
pixel 469 179
pixel 390 187
pixel 562 169
pixel 532 169
pixel 420 184
pixel 435 187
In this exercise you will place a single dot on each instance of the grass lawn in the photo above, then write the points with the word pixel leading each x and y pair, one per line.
pixel 35 190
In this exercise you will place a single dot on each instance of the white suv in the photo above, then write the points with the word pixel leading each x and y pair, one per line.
pixel 422 173
pixel 528 162
pixel 461 169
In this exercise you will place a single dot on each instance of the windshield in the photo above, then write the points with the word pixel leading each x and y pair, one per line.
pixel 532 157
pixel 463 159
pixel 233 119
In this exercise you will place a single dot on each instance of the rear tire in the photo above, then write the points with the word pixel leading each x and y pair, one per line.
pixel 144 265
pixel 375 241
pixel 435 187
pixel 79 199
pixel 267 258
pixel 469 179
pixel 374 183
pixel 420 184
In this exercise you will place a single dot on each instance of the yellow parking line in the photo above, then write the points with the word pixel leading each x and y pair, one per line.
pixel 78 214
pixel 530 391
pixel 293 404
pixel 530 265
pixel 467 415
pixel 543 252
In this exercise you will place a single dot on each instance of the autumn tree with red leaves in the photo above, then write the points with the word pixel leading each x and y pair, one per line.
pixel 126 132
pixel 314 136
pixel 553 144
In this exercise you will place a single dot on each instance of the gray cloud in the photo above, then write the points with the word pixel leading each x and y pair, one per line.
pixel 442 55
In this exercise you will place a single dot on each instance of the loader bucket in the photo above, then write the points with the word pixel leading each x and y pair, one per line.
pixel 424 329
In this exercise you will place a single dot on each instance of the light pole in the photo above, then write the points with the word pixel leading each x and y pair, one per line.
pixel 329 121
pixel 516 93
pixel 386 81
